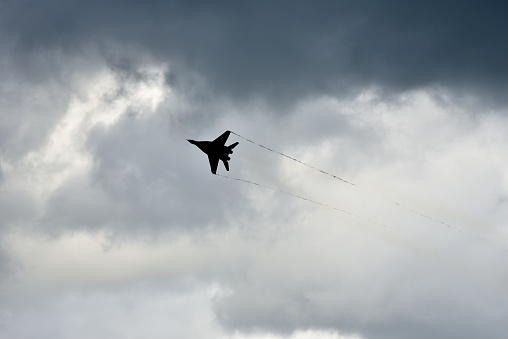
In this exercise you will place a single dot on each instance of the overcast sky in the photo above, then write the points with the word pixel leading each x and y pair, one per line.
pixel 112 226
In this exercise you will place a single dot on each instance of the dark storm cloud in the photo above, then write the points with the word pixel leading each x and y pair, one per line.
pixel 282 50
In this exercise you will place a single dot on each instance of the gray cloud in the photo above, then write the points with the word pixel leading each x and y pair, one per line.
pixel 443 305
pixel 140 183
pixel 92 144
pixel 289 49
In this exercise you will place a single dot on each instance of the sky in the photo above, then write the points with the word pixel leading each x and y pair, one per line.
pixel 112 226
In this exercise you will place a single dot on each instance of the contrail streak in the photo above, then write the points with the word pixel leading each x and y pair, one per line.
pixel 303 198
pixel 400 205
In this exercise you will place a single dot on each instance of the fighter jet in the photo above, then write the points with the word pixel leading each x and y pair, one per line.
pixel 216 150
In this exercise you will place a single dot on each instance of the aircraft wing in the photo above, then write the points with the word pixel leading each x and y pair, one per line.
pixel 222 139
pixel 214 162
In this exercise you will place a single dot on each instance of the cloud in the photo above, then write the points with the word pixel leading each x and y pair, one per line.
pixel 114 162
pixel 287 50
pixel 103 201
pixel 112 159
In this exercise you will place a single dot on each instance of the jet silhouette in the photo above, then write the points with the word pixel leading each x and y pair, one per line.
pixel 216 150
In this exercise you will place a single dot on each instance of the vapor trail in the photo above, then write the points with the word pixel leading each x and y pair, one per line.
pixel 400 205
pixel 294 159
pixel 303 198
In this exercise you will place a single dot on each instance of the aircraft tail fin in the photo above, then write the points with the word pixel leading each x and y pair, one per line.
pixel 233 145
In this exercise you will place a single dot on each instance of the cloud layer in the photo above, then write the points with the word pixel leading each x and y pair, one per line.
pixel 285 50
pixel 109 217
